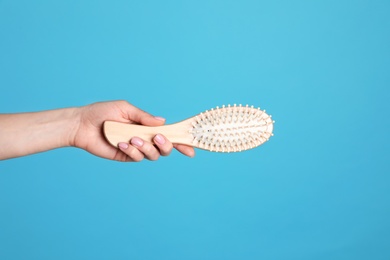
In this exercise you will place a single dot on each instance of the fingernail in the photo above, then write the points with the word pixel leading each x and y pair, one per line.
pixel 123 146
pixel 159 139
pixel 159 118
pixel 136 141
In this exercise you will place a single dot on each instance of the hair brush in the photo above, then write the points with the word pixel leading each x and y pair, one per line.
pixel 225 129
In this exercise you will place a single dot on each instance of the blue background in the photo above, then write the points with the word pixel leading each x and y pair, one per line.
pixel 319 189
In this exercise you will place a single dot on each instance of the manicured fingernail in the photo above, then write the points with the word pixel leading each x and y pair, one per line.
pixel 159 118
pixel 136 141
pixel 123 146
pixel 159 139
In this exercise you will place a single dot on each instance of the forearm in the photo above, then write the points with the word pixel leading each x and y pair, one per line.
pixel 28 133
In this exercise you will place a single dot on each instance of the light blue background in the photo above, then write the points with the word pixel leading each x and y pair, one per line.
pixel 319 189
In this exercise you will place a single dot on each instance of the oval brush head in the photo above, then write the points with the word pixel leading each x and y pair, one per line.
pixel 225 129
pixel 231 129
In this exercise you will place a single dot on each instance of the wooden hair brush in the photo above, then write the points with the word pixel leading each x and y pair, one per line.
pixel 225 129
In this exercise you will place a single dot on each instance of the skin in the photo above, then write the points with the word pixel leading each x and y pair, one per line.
pixel 28 133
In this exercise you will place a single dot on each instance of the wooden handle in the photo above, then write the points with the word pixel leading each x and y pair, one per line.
pixel 116 132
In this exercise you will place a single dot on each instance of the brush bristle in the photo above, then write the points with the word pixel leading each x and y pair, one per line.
pixel 231 129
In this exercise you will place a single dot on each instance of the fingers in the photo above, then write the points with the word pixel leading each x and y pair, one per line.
pixel 163 144
pixel 149 150
pixel 139 149
pixel 133 153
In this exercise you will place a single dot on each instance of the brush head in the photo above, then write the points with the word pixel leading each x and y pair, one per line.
pixel 231 128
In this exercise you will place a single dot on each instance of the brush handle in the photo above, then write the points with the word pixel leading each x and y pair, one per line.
pixel 117 132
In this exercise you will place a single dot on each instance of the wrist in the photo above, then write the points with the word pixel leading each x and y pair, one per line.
pixel 74 119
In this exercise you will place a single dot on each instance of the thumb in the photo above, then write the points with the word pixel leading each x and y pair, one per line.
pixel 141 117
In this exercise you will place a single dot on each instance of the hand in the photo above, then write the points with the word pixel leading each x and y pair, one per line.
pixel 89 135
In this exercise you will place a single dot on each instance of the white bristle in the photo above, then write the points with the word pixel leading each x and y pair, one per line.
pixel 232 128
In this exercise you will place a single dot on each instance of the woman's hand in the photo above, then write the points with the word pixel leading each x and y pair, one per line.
pixel 89 134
